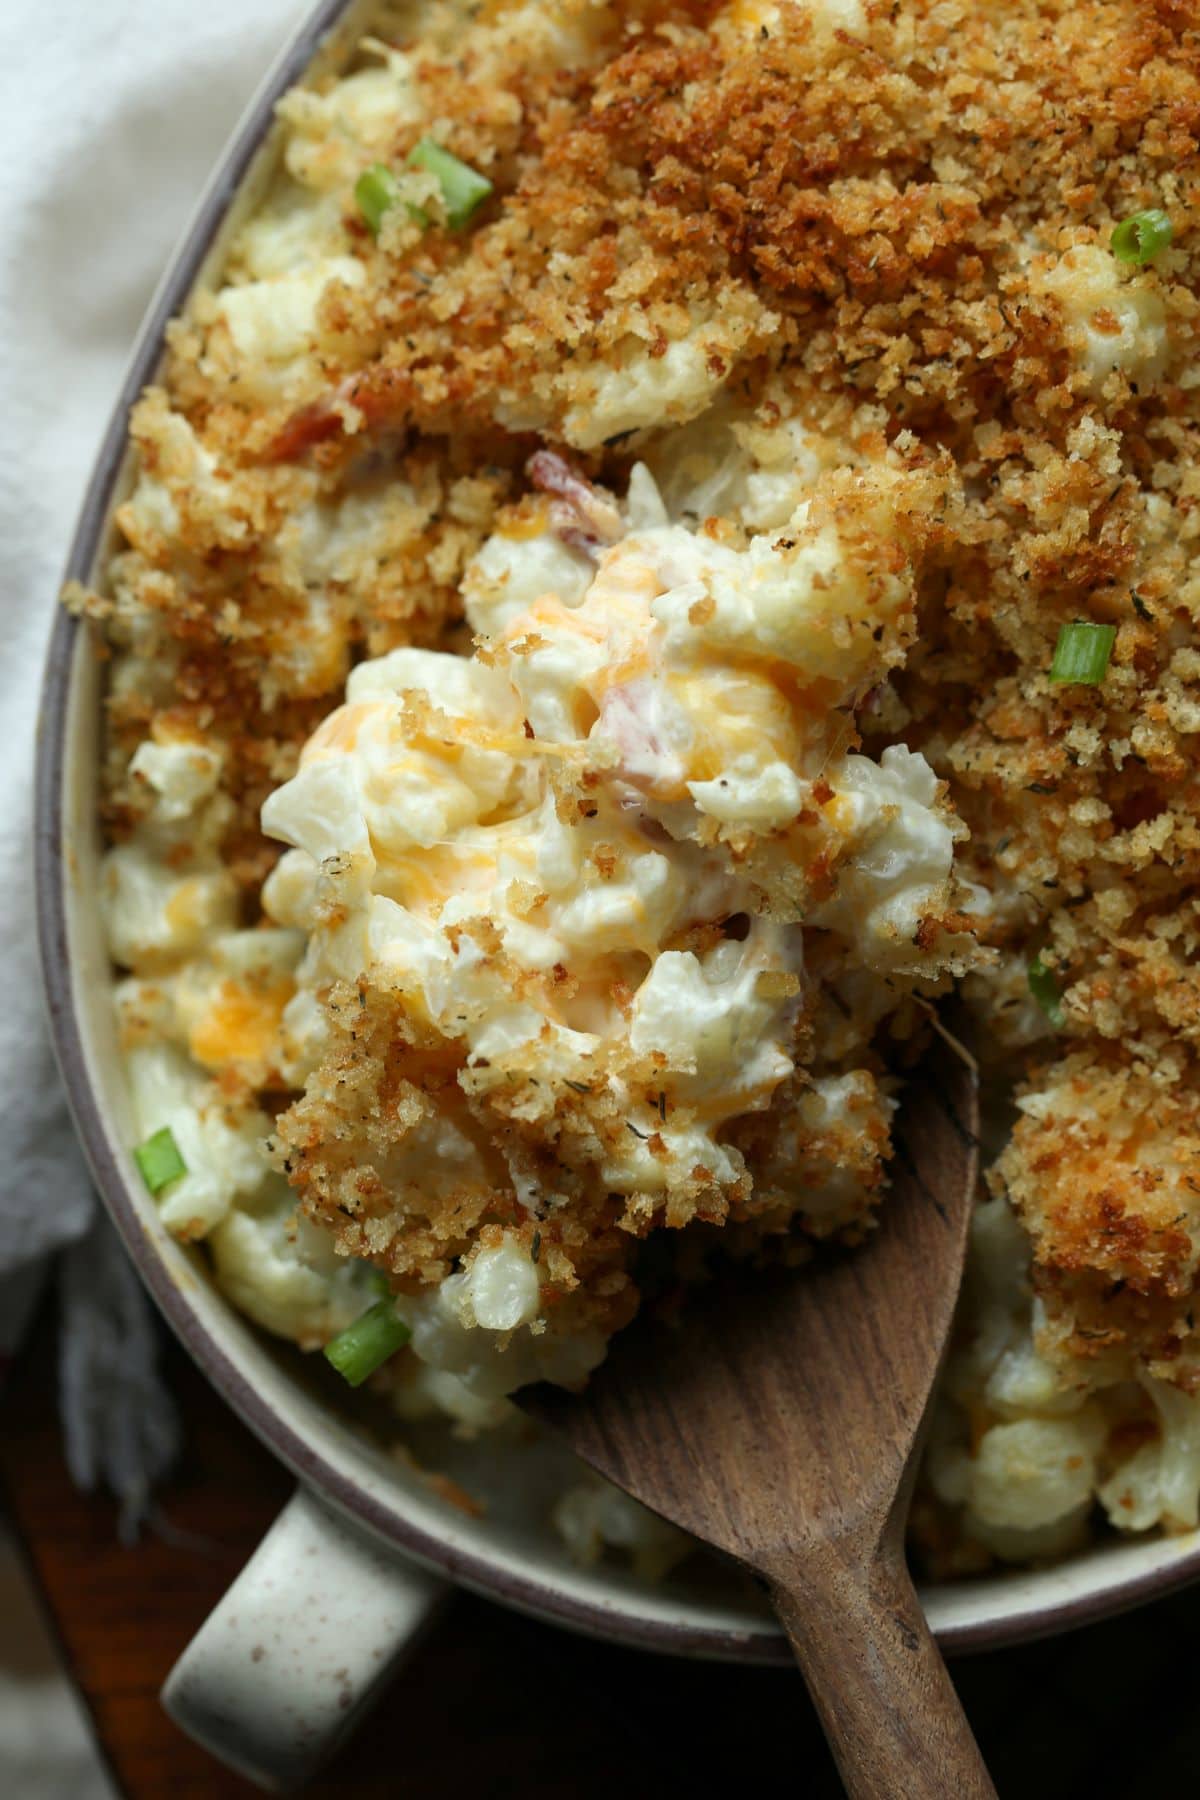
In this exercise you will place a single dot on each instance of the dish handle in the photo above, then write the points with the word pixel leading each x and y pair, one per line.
pixel 300 1646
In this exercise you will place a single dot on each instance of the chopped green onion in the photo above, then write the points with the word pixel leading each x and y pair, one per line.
pixel 463 188
pixel 376 191
pixel 1043 985
pixel 1141 236
pixel 1082 652
pixel 159 1160
pixel 359 1350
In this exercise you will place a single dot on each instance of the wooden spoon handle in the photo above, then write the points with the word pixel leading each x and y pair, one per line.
pixel 889 1709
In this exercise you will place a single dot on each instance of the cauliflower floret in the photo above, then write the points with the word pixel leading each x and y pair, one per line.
pixel 513 571
pixel 1114 323
pixel 897 863
pixel 638 388
pixel 154 914
pixel 1030 1473
pixel 223 1146
pixel 371 784
pixel 499 1289
pixel 267 330
pixel 1160 1483
pixel 180 775
pixel 417 1392
pixel 493 1362
pixel 759 20
pixel 595 1516
pixel 335 134
pixel 284 1274
pixel 181 490
pixel 711 1019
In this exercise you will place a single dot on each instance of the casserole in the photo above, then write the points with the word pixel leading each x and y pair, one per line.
pixel 360 1513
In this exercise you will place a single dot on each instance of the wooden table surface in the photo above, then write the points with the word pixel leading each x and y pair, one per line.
pixel 496 1703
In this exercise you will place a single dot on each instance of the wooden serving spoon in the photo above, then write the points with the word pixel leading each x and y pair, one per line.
pixel 778 1421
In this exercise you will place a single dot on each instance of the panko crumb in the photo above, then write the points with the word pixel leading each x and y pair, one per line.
pixel 827 289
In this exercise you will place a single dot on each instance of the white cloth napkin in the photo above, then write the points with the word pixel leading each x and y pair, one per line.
pixel 111 115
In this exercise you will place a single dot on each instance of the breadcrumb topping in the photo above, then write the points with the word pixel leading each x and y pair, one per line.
pixel 787 241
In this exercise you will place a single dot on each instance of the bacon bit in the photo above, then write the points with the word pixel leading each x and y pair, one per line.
pixel 1130 1435
pixel 312 425
pixel 551 473
pixel 379 394
pixel 583 516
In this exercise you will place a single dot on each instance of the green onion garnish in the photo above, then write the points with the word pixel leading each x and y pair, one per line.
pixel 376 190
pixel 1043 985
pixel 1141 236
pixel 1082 652
pixel 463 188
pixel 159 1160
pixel 359 1350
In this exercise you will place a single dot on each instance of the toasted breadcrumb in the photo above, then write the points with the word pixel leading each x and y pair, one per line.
pixel 897 234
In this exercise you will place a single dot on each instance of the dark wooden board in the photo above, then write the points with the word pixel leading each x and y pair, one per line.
pixel 498 1704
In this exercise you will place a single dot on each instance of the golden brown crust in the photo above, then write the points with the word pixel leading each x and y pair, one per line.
pixel 1104 1170
pixel 347 1149
pixel 875 219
